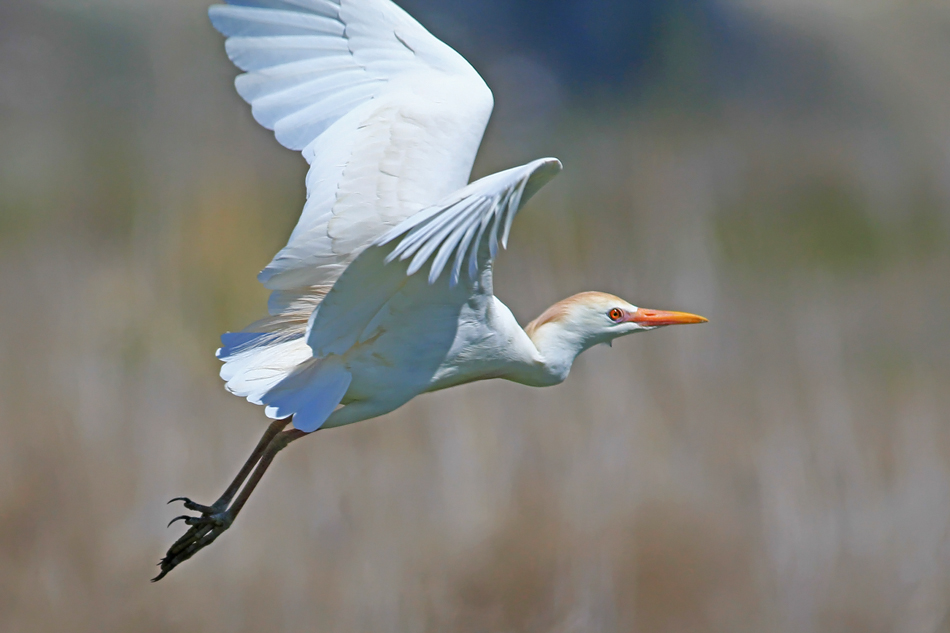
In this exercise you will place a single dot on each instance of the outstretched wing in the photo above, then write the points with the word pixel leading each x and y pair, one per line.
pixel 389 118
pixel 455 227
pixel 464 229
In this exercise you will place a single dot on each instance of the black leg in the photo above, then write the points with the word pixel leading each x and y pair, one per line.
pixel 275 427
pixel 217 518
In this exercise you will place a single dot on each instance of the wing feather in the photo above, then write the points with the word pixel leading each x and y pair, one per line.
pixel 352 307
pixel 254 21
pixel 321 7
pixel 260 53
pixel 388 117
pixel 489 204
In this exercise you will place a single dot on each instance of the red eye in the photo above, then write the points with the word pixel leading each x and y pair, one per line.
pixel 616 315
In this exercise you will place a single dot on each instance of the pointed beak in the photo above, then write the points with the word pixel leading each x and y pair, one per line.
pixel 653 318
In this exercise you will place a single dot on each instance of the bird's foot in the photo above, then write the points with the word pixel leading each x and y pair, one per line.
pixel 202 531
pixel 213 520
pixel 214 508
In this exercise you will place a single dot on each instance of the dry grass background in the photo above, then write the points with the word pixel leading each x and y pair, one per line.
pixel 785 468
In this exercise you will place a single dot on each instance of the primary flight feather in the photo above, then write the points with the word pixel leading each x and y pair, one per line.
pixel 384 289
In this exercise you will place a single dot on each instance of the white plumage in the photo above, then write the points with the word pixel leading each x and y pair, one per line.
pixel 384 290
pixel 390 120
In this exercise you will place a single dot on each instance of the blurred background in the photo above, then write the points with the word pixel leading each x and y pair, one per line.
pixel 781 167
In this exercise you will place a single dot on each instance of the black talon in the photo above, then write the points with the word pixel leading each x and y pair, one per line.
pixel 195 507
pixel 176 519
pixel 203 531
pixel 216 519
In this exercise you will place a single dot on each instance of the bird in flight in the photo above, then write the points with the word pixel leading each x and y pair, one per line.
pixel 384 290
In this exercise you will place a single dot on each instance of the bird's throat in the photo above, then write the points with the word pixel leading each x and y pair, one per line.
pixel 558 348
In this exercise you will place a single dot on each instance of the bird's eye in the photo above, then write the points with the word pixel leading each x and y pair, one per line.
pixel 616 315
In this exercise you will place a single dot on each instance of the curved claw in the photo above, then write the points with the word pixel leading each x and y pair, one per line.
pixel 183 517
pixel 196 507
pixel 203 532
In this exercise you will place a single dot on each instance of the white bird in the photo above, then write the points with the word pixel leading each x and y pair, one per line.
pixel 384 290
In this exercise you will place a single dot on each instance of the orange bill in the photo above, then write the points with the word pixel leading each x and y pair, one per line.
pixel 643 316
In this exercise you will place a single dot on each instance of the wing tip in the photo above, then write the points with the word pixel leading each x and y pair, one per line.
pixel 544 170
pixel 549 167
pixel 215 14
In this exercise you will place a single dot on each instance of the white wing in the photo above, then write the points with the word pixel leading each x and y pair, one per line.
pixel 466 227
pixel 456 226
pixel 389 118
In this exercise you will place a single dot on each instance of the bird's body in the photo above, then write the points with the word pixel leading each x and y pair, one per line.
pixel 433 338
pixel 384 290
pixel 474 338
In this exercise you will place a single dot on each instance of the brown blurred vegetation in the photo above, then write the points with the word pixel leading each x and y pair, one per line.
pixel 785 468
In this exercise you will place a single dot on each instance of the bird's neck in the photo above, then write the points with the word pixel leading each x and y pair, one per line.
pixel 542 353
pixel 558 347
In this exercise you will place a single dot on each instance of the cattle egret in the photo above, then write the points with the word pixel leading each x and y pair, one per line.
pixel 384 290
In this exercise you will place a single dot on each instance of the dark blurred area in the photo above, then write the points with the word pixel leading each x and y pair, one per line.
pixel 589 45
pixel 780 167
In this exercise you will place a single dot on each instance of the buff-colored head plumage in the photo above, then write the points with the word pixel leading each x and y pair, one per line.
pixel 563 311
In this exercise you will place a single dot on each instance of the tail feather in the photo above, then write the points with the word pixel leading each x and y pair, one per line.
pixel 271 364
pixel 296 303
pixel 259 362
pixel 310 394
pixel 258 357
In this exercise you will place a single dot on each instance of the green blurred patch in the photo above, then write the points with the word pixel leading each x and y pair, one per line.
pixel 823 224
pixel 16 217
pixel 228 235
pixel 91 175
pixel 103 197
pixel 113 190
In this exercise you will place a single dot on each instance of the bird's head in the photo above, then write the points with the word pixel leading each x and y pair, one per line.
pixel 592 318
